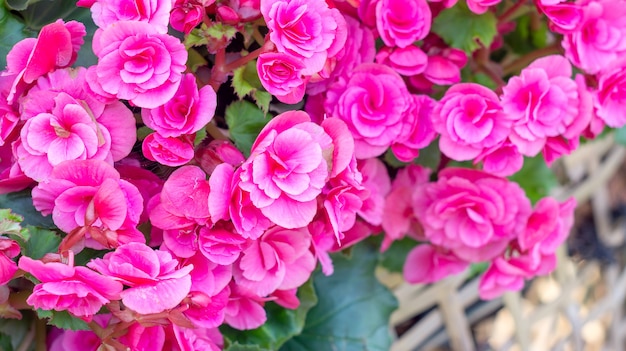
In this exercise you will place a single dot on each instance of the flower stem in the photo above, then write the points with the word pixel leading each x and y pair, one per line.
pixel 525 60
pixel 511 12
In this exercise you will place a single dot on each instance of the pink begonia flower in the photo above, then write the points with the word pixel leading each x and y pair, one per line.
pixel 245 309
pixel 88 193
pixel 428 264
pixel 501 160
pixel 564 17
pixel 542 101
pixel 341 205
pixel 148 184
pixel 155 283
pixel 249 221
pixel 56 46
pixel 290 162
pixel 401 23
pixel 601 37
pixel 221 245
pixel 481 6
pixel 443 67
pixel 9 113
pixel 8 250
pixel 500 277
pixel 154 12
pixel 137 63
pixel 471 213
pixel 281 75
pixel 376 180
pixel 140 337
pixel 418 131
pixel 398 217
pixel 169 151
pixel 84 340
pixel 12 178
pixel 306 29
pixel 187 14
pixel 470 119
pixel 196 339
pixel 360 231
pixel 247 10
pixel 373 103
pixel 186 113
pixel 279 259
pixel 286 298
pixel 79 290
pixel 359 48
pixel 407 61
pixel 609 98
pixel 210 154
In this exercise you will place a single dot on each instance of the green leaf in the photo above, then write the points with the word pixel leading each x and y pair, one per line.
pixel 16 330
pixel 11 31
pixel 63 320
pixel 40 243
pixel 392 160
pixel 535 178
pixel 245 79
pixel 245 121
pixel 282 324
pixel 5 342
pixel 353 308
pixel 461 28
pixel 21 203
pixel 195 60
pixel 196 38
pixel 262 99
pixel 393 258
pixel 10 222
pixel 429 156
pixel 19 5
pixel 221 31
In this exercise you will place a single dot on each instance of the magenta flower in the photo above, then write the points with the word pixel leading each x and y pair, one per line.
pixel 281 75
pixel 187 14
pixel 137 63
pixel 427 264
pixel 406 61
pixel 307 30
pixel 169 151
pixel 500 277
pixel 186 113
pixel 481 6
pixel 470 119
pixel 401 23
pixel 610 98
pixel 155 282
pixel 79 290
pixel 155 12
pixel 471 213
pixel 377 182
pixel 418 131
pixel 8 250
pixel 245 309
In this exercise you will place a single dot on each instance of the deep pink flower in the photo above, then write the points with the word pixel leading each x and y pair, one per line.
pixel 601 37
pixel 148 184
pixel 290 162
pixel 186 113
pixel 373 103
pixel 500 277
pixel 245 309
pixel 377 182
pixel 542 102
pixel 169 151
pixel 187 14
pixel 281 75
pixel 155 12
pixel 141 337
pixel 88 193
pixel 84 340
pixel 280 259
pixel 470 119
pixel 156 284
pixel 564 17
pixel 471 213
pixel 137 63
pixel 407 61
pixel 79 290
pixel 610 97
pixel 428 264
pixel 481 6
pixel 211 154
pixel 221 245
pixel 501 160
pixel 305 29
pixel 8 250
pixel 418 131
pixel 401 23
pixel 188 339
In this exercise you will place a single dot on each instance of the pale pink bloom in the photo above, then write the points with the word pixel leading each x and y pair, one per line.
pixel 542 101
pixel 12 178
pixel 377 182
pixel 186 113
pixel 137 63
pixel 501 160
pixel 84 340
pixel 341 205
pixel 210 154
pixel 220 244
pixel 401 23
pixel 281 75
pixel 372 102
pixel 141 337
pixel 290 163
pixel 418 131
pixel 56 46
pixel 601 37
pixel 8 250
pixel 196 339
pixel 245 309
pixel 471 213
pixel 279 259
pixel 481 6
pixel 88 193
pixel 407 61
pixel 398 218
pixel 155 12
pixel 155 282
pixel 470 119
pixel 187 14
pixel 610 100
pixel 500 277
pixel 305 29
pixel 79 290
pixel 169 151
pixel 428 264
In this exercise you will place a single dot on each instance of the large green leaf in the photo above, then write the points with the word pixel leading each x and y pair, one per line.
pixel 245 121
pixel 461 28
pixel 282 324
pixel 41 242
pixel 353 308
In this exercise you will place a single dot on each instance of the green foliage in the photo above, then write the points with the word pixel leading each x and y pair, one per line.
pixel 461 28
pixel 245 121
pixel 12 332
pixel 62 319
pixel 535 178
pixel 527 37
pixel 246 83
pixel 10 223
pixel 353 307
pixel 238 347
pixel 41 242
pixel 12 30
pixel 430 156
pixel 393 258
pixel 282 324
pixel 21 203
